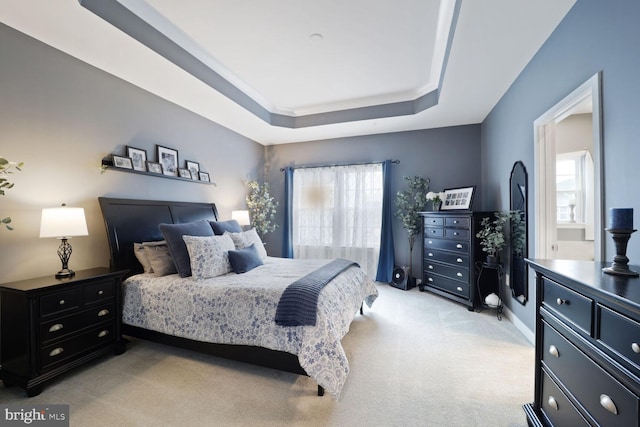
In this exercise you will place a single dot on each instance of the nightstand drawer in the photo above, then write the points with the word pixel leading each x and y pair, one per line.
pixel 621 335
pixel 447 245
pixel 557 407
pixel 66 325
pixel 447 257
pixel 458 288
pixel 60 301
pixel 458 222
pixel 454 233
pixel 60 351
pixel 453 272
pixel 606 399
pixel 570 305
pixel 98 292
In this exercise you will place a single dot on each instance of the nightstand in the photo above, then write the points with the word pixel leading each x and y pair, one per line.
pixel 49 326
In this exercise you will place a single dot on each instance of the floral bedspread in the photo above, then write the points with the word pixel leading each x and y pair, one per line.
pixel 241 308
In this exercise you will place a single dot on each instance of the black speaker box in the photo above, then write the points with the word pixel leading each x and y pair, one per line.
pixel 401 279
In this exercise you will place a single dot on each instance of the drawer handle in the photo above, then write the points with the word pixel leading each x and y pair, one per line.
pixel 459 260
pixel 455 233
pixel 429 254
pixel 455 221
pixel 56 327
pixel 459 289
pixel 459 246
pixel 560 301
pixel 608 404
pixel 100 292
pixel 61 302
pixel 430 279
pixel 430 267
pixel 430 242
pixel 553 350
pixel 635 347
pixel 103 312
pixel 56 351
pixel 103 333
pixel 459 274
pixel 553 403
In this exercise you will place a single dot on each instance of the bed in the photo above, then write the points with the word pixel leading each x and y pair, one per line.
pixel 232 315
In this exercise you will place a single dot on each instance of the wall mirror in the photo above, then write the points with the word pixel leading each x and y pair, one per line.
pixel 518 240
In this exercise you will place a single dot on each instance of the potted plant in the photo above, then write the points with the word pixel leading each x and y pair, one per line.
pixel 435 199
pixel 491 236
pixel 6 168
pixel 262 208
pixel 409 203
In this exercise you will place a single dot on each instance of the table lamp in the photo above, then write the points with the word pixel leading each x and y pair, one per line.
pixel 63 223
pixel 242 217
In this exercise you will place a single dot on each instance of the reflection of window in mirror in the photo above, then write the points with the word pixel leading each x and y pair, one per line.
pixel 574 171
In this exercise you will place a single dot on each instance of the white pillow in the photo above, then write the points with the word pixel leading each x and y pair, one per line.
pixel 143 256
pixel 160 259
pixel 247 238
pixel 209 255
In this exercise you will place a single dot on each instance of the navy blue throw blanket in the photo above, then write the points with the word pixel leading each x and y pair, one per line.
pixel 299 301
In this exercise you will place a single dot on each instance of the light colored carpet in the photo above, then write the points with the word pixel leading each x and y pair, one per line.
pixel 416 360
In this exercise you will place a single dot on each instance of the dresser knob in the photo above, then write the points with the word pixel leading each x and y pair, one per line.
pixel 608 404
pixel 56 351
pixel 553 350
pixel 635 347
pixel 100 292
pixel 560 301
pixel 430 267
pixel 61 302
pixel 455 233
pixel 455 221
pixel 103 312
pixel 459 246
pixel 429 254
pixel 430 242
pixel 430 279
pixel 459 274
pixel 459 289
pixel 552 402
pixel 103 333
pixel 459 260
pixel 56 327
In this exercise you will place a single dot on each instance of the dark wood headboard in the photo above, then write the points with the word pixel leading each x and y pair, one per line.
pixel 130 220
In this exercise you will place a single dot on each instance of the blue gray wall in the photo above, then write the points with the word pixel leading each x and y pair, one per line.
pixel 594 36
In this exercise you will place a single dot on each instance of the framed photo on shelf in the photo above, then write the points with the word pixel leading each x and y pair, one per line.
pixel 458 198
pixel 122 162
pixel 168 158
pixel 204 176
pixel 184 173
pixel 154 167
pixel 138 158
pixel 194 168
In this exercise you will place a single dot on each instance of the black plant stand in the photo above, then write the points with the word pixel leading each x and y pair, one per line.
pixel 483 279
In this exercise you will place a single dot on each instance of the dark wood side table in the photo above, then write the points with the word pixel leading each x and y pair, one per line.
pixel 49 326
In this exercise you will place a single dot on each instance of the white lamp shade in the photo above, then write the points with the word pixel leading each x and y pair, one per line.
pixel 241 216
pixel 63 222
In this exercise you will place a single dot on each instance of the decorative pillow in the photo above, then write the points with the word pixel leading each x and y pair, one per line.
pixel 141 254
pixel 160 259
pixel 209 255
pixel 219 227
pixel 247 238
pixel 173 235
pixel 243 260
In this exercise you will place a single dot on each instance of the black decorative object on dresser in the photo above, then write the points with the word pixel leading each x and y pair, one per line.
pixel 449 253
pixel 49 326
pixel 587 367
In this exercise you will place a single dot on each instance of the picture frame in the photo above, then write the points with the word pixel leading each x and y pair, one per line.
pixel 204 176
pixel 194 168
pixel 168 158
pixel 138 158
pixel 184 173
pixel 122 162
pixel 154 167
pixel 458 198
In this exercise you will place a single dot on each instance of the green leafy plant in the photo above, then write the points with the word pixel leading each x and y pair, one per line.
pixel 492 232
pixel 409 203
pixel 7 168
pixel 262 207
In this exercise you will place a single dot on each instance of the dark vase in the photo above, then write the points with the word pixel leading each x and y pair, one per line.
pixel 492 260
pixel 436 206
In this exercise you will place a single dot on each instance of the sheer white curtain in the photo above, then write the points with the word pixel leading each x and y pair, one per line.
pixel 337 213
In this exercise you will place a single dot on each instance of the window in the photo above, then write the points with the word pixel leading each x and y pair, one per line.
pixel 571 171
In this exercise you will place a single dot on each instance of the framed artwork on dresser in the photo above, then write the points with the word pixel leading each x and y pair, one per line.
pixel 458 198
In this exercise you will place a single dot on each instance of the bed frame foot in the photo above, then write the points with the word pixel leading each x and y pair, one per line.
pixel 320 390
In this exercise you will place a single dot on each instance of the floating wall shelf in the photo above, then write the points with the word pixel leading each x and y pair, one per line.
pixel 107 164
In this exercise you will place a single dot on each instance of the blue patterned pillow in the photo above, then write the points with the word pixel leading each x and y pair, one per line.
pixel 173 235
pixel 243 260
pixel 209 255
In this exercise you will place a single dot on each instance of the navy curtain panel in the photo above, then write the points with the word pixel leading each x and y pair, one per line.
pixel 386 258
pixel 287 238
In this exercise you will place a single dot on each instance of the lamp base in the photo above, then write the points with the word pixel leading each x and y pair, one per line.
pixel 65 273
pixel 620 271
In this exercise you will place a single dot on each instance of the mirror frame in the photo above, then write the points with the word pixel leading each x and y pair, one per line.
pixel 517 265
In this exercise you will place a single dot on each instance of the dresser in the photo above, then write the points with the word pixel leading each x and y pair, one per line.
pixel 450 252
pixel 587 367
pixel 49 326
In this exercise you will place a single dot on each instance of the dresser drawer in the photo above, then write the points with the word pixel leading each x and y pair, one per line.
pixel 458 222
pixel 53 354
pixel 59 302
pixel 451 271
pixel 447 257
pixel 575 308
pixel 621 335
pixel 454 233
pixel 63 326
pixel 433 232
pixel 433 221
pixel 556 407
pixel 452 286
pixel 98 292
pixel 588 382
pixel 447 245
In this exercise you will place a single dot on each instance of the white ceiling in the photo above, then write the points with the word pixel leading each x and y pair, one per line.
pixel 370 52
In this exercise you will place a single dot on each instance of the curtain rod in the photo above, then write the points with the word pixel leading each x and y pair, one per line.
pixel 339 164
